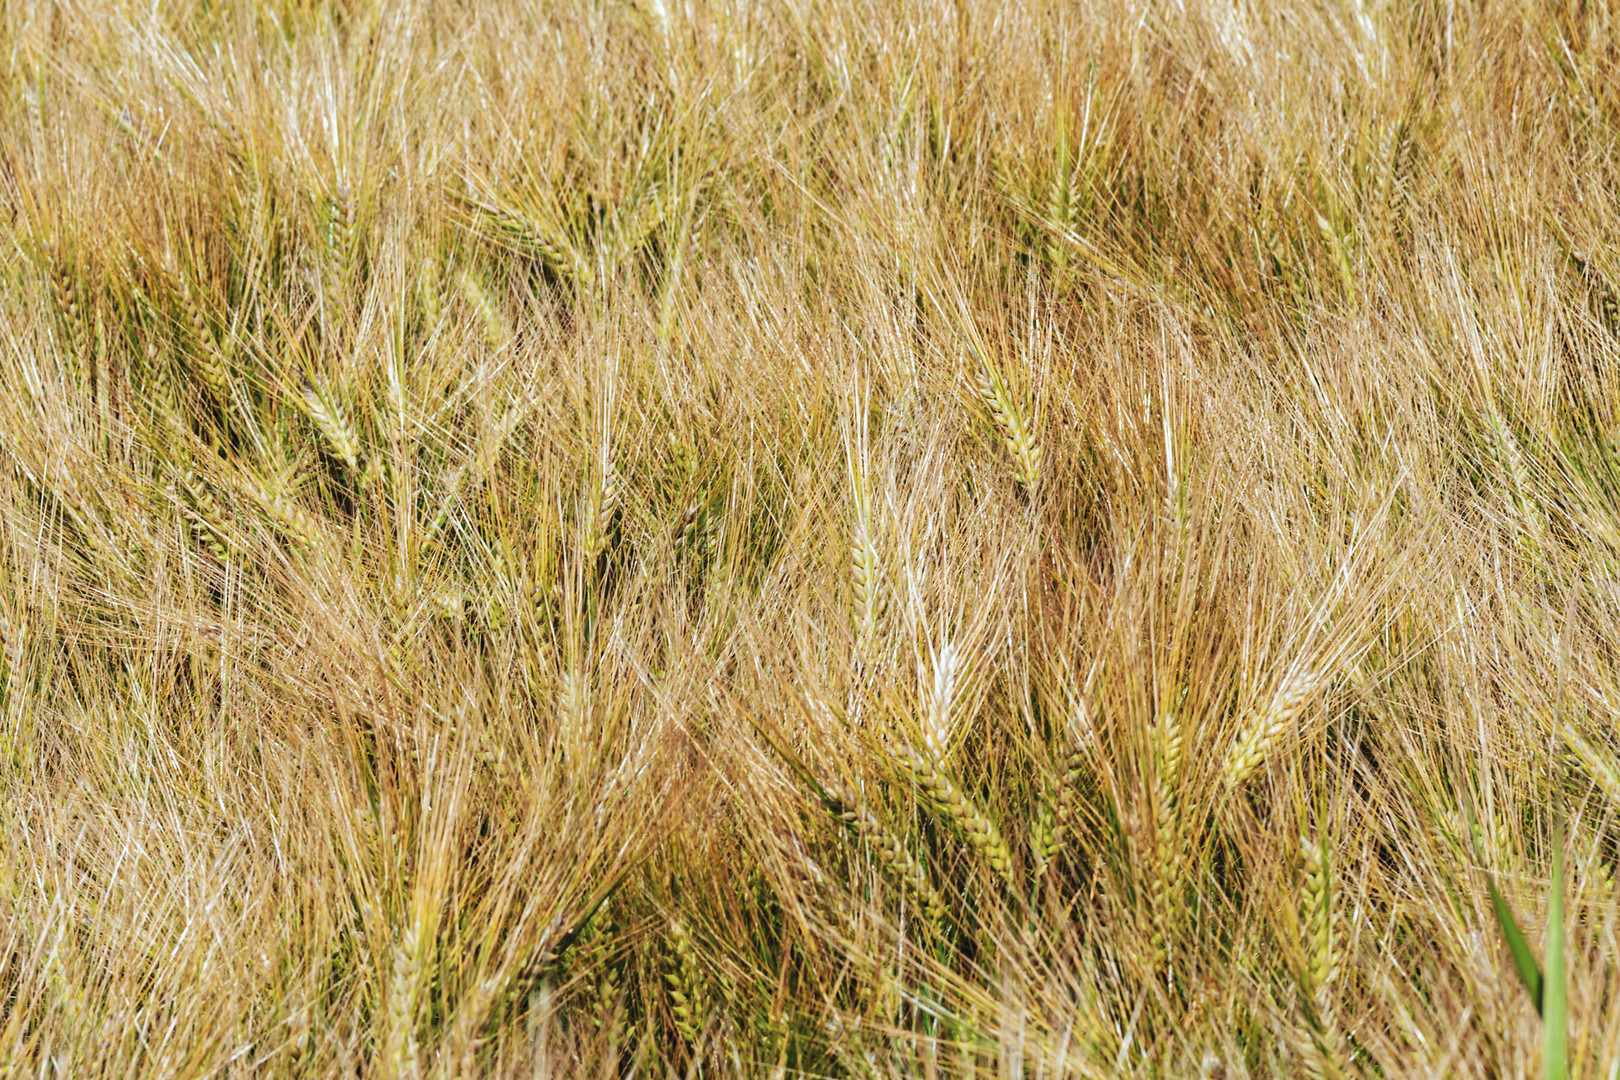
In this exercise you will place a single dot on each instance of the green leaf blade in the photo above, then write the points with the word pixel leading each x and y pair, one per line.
pixel 1525 963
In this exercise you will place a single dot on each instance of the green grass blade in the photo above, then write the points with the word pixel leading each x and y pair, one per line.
pixel 1554 1047
pixel 1529 971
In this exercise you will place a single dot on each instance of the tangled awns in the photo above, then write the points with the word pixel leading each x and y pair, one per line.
pixel 759 538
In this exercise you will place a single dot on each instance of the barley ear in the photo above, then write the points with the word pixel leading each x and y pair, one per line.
pixel 483 305
pixel 1594 763
pixel 1263 730
pixel 333 422
pixel 1014 426
pixel 962 812
pixel 400 1049
pixel 202 513
pixel 891 851
pixel 209 360
pixel 604 504
pixel 864 572
pixel 689 1000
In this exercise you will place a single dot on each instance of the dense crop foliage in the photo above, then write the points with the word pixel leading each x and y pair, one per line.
pixel 838 539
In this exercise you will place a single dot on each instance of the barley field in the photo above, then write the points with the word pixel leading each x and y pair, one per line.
pixel 869 538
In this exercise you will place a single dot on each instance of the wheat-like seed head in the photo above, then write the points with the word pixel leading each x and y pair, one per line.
pixel 1593 761
pixel 1014 427
pixel 1263 730
pixel 892 852
pixel 202 513
pixel 343 234
pixel 605 505
pixel 489 316
pixel 864 571
pixel 428 292
pixel 210 362
pixel 399 1034
pixel 294 522
pixel 981 832
pixel 1316 906
pixel 333 422
pixel 940 699
pixel 11 643
pixel 689 999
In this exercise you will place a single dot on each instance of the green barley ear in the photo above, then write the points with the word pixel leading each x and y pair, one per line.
pixel 11 652
pixel 209 359
pixel 961 811
pixel 1319 921
pixel 329 416
pixel 604 504
pixel 1316 908
pixel 637 224
pixel 1263 730
pixel 201 513
pixel 1593 762
pixel 1608 301
pixel 343 235
pixel 864 572
pixel 1045 839
pixel 291 520
pixel 483 305
pixel 1532 537
pixel 892 852
pixel 65 291
pixel 428 292
pixel 688 998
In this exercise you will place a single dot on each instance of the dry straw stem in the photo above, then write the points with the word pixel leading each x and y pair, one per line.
pixel 1167 832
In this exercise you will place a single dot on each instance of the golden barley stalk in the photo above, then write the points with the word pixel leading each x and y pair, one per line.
pixel 864 571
